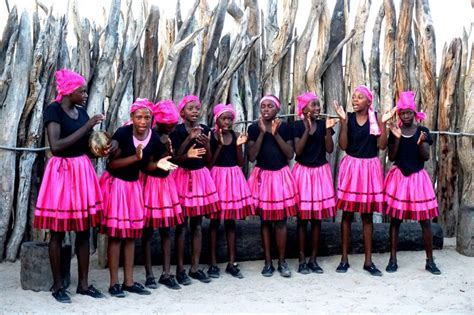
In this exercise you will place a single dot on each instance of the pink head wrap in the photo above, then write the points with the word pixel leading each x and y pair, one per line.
pixel 165 112
pixel 406 100
pixel 374 125
pixel 67 81
pixel 220 109
pixel 272 98
pixel 188 99
pixel 303 100
pixel 141 103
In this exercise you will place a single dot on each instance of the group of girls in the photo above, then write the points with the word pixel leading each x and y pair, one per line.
pixel 137 193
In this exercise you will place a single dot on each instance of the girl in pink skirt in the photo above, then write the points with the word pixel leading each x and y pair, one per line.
pixel 409 192
pixel 69 198
pixel 162 208
pixel 196 189
pixel 124 212
pixel 271 183
pixel 313 138
pixel 234 194
pixel 360 182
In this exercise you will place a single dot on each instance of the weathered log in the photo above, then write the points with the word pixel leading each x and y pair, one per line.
pixel 248 244
pixel 465 231
pixel 448 158
pixel 402 77
pixel 82 30
pixel 285 79
pixel 374 64
pixel 9 116
pixel 254 63
pixel 150 54
pixel 8 56
pixel 7 35
pixel 35 271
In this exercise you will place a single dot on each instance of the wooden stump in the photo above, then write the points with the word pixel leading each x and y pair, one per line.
pixel 248 245
pixel 35 271
pixel 465 231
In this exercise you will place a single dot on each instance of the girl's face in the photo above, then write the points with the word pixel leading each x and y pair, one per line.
pixel 141 119
pixel 166 128
pixel 313 108
pixel 224 122
pixel 406 116
pixel 191 112
pixel 268 110
pixel 360 102
pixel 79 96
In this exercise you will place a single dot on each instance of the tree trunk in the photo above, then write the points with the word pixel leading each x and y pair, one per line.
pixel 150 54
pixel 356 62
pixel 374 65
pixel 402 76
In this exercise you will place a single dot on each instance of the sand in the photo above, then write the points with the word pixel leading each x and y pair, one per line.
pixel 410 290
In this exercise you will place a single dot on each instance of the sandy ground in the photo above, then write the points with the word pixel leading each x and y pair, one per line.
pixel 410 290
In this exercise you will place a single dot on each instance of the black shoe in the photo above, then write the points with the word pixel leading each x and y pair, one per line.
pixel 182 278
pixel 150 283
pixel 314 267
pixel 268 270
pixel 91 291
pixel 233 270
pixel 431 267
pixel 303 268
pixel 199 275
pixel 391 267
pixel 116 291
pixel 170 282
pixel 373 270
pixel 213 271
pixel 284 270
pixel 136 288
pixel 61 296
pixel 342 268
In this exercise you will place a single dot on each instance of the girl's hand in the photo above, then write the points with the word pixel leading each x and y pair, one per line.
pixel 340 111
pixel 261 125
pixel 331 122
pixel 169 146
pixel 195 132
pixel 423 137
pixel 112 147
pixel 139 152
pixel 275 124
pixel 96 119
pixel 388 115
pixel 165 164
pixel 241 139
pixel 194 153
pixel 307 121
pixel 220 137
pixel 203 139
pixel 397 132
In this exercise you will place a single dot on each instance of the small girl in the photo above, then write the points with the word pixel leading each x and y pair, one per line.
pixel 69 198
pixel 409 192
pixel 271 183
pixel 196 189
pixel 162 208
pixel 234 194
pixel 360 182
pixel 313 138
pixel 123 195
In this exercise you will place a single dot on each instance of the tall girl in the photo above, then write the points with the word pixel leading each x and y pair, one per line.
pixel 69 198
pixel 123 196
pixel 271 183
pixel 234 194
pixel 360 181
pixel 409 192
pixel 196 190
pixel 313 138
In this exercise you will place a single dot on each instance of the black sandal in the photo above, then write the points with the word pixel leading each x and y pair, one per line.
pixel 91 291
pixel 136 288
pixel 233 270
pixel 342 268
pixel 150 283
pixel 61 295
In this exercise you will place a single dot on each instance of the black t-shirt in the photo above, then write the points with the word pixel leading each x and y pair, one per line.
pixel 314 152
pixel 361 143
pixel 177 138
pixel 270 156
pixel 124 137
pixel 228 155
pixel 158 150
pixel 54 112
pixel 407 158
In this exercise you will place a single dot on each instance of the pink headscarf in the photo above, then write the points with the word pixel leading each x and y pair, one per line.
pixel 141 103
pixel 220 109
pixel 374 125
pixel 303 100
pixel 272 98
pixel 406 100
pixel 188 99
pixel 67 81
pixel 165 112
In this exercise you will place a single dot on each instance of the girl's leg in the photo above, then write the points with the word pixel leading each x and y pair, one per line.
pixel 346 234
pixel 368 228
pixel 427 239
pixel 146 243
pixel 128 261
pixel 113 256
pixel 266 228
pixel 301 227
pixel 179 234
pixel 315 233
pixel 213 227
pixel 54 250
pixel 230 236
pixel 82 252
pixel 281 235
pixel 166 249
pixel 196 242
pixel 394 230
